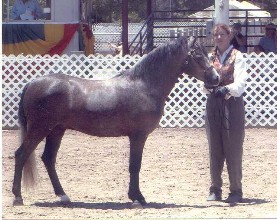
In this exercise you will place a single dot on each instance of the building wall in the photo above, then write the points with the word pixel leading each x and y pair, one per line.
pixel 67 11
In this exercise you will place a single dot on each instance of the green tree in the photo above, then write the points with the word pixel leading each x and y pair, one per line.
pixel 110 10
pixel 268 5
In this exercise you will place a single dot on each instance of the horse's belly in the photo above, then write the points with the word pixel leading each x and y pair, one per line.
pixel 114 126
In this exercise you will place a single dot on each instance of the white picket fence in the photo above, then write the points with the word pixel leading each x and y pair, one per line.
pixel 185 106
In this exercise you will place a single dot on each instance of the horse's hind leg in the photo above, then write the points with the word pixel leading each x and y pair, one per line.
pixel 137 142
pixel 22 155
pixel 53 141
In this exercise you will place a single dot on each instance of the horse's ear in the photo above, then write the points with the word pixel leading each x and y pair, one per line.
pixel 192 40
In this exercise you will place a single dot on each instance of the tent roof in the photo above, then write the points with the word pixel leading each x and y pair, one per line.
pixel 233 4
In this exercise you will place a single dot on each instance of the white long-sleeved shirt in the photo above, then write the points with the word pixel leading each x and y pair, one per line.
pixel 240 75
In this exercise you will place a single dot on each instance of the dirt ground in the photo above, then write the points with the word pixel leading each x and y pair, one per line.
pixel 174 178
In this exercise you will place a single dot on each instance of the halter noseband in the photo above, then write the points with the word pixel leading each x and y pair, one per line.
pixel 206 70
pixel 191 54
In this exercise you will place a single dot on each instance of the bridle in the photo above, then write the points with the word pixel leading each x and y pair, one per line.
pixel 191 54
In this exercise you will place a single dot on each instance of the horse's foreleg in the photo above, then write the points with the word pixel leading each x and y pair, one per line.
pixel 53 141
pixel 137 142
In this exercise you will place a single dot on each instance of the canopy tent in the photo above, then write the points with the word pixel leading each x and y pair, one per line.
pixel 60 33
pixel 238 10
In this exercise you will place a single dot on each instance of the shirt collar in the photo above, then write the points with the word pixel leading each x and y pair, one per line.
pixel 223 56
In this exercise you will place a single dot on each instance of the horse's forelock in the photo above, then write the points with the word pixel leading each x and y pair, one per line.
pixel 199 49
pixel 202 49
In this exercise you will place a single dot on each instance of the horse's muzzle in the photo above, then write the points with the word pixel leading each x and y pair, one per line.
pixel 212 78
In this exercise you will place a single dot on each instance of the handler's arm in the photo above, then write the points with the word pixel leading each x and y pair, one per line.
pixel 240 76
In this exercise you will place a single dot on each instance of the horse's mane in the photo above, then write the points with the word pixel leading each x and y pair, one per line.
pixel 157 59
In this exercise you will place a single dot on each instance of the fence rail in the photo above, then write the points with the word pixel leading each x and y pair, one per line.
pixel 184 107
pixel 167 25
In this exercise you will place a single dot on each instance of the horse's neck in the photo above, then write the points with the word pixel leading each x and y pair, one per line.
pixel 160 69
pixel 165 80
pixel 160 83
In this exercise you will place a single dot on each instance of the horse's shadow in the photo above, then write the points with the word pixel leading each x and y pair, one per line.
pixel 106 205
pixel 153 205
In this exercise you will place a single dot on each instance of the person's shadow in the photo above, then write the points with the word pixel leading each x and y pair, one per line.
pixel 248 201
pixel 244 202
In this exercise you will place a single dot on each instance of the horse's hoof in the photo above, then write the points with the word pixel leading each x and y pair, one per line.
pixel 136 205
pixel 18 201
pixel 65 200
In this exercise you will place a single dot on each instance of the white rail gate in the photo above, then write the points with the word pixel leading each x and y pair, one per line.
pixel 185 106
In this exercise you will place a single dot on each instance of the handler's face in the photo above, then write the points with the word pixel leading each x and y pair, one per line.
pixel 222 39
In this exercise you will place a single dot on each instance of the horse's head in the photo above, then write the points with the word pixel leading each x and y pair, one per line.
pixel 197 64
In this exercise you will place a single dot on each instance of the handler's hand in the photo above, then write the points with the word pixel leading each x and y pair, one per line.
pixel 221 91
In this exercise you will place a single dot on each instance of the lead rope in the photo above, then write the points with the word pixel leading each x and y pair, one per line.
pixel 224 115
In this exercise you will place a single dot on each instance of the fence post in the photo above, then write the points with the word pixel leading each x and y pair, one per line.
pixel 222 11
pixel 124 9
pixel 246 31
pixel 149 33
pixel 140 43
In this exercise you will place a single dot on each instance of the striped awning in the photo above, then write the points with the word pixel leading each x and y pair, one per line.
pixel 41 38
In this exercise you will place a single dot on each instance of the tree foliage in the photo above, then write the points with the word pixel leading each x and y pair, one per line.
pixel 110 10
pixel 268 5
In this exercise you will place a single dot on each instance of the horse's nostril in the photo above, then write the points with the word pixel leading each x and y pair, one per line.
pixel 215 78
pixel 212 79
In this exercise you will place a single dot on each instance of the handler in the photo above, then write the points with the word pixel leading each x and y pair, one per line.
pixel 225 115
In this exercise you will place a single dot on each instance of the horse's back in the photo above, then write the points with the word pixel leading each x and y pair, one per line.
pixel 49 96
pixel 68 101
pixel 47 86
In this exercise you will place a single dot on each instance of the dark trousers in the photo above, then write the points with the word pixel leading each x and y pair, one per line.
pixel 225 131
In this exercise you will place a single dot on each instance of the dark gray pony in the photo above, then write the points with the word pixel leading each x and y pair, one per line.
pixel 130 104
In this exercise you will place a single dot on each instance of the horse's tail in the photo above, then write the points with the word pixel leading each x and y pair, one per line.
pixel 30 172
pixel 21 115
pixel 29 169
